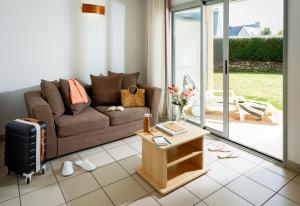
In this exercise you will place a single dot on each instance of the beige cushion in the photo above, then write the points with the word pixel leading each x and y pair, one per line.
pixel 128 115
pixel 106 90
pixel 127 79
pixel 52 95
pixel 88 120
pixel 73 109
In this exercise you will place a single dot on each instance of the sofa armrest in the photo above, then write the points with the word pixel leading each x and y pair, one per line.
pixel 153 95
pixel 38 108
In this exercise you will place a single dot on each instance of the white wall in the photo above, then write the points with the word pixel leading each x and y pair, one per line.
pixel 53 39
pixel 293 81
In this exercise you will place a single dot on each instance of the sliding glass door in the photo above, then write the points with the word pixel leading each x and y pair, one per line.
pixel 214 69
pixel 231 51
pixel 187 56
pixel 256 74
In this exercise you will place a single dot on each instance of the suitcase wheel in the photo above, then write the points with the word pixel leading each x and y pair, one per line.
pixel 43 171
pixel 28 180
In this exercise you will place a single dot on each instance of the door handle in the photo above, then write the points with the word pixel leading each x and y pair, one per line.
pixel 226 67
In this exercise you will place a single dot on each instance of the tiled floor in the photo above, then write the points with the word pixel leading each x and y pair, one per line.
pixel 247 180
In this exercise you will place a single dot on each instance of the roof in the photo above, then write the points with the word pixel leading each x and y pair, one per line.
pixel 251 29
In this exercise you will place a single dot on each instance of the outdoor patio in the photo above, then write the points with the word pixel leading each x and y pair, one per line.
pixel 263 135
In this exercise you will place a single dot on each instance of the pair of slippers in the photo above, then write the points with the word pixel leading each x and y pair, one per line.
pixel 84 164
pixel 227 153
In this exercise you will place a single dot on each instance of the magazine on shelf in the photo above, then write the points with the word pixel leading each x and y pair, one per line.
pixel 171 127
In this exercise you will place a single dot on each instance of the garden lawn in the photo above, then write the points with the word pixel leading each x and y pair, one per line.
pixel 263 87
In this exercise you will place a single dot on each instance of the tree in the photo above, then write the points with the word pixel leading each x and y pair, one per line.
pixel 280 33
pixel 266 31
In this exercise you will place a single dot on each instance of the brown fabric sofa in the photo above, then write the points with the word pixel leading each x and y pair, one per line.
pixel 92 127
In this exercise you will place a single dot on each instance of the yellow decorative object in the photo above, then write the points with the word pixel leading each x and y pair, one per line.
pixel 133 100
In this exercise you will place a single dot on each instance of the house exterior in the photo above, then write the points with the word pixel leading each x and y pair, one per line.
pixel 245 30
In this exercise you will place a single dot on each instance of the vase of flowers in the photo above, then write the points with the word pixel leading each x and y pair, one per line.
pixel 180 100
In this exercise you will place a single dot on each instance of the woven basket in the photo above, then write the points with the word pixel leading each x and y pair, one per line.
pixel 133 100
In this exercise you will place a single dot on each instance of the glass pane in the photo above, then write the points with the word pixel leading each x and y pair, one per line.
pixel 214 65
pixel 256 74
pixel 186 57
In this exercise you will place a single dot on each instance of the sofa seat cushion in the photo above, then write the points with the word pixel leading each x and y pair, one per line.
pixel 86 121
pixel 128 115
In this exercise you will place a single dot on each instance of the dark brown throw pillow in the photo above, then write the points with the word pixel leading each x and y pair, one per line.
pixel 52 95
pixel 106 90
pixel 127 79
pixel 72 108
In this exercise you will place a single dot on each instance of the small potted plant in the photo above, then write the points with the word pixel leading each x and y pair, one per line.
pixel 180 100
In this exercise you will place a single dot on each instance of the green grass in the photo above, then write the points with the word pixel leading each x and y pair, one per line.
pixel 264 87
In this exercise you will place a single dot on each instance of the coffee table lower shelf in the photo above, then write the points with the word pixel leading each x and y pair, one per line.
pixel 175 182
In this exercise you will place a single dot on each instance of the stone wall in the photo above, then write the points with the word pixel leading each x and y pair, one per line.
pixel 247 66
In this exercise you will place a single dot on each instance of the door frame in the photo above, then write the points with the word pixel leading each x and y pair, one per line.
pixel 182 7
pixel 225 135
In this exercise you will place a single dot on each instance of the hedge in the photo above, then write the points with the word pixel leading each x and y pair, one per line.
pixel 250 49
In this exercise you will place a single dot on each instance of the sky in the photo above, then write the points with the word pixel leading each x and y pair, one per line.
pixel 268 12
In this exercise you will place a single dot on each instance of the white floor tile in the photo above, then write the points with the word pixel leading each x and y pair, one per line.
pixel 225 197
pixel 47 196
pixel 77 186
pixel 8 190
pixel 297 179
pixel 109 173
pixel 250 157
pixel 203 186
pixel 250 190
pixel 291 191
pixel 132 139
pixel 131 163
pixel 145 201
pixel 121 152
pixel 11 202
pixel 100 159
pixel 221 174
pixel 267 178
pixel 201 204
pixel 143 183
pixel 90 151
pixel 113 144
pixel 279 170
pixel 125 191
pixel 238 164
pixel 96 198
pixel 178 197
pixel 137 146
pixel 279 200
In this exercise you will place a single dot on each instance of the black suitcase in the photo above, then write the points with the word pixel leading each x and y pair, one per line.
pixel 22 154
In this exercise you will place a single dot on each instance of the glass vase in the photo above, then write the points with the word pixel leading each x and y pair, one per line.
pixel 180 116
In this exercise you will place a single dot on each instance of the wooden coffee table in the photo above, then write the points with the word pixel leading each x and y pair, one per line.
pixel 167 168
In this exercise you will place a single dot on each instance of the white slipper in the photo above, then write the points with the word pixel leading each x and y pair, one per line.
pixel 86 165
pixel 67 169
pixel 228 155
pixel 219 148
